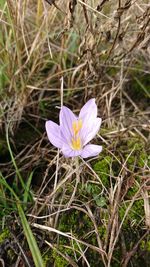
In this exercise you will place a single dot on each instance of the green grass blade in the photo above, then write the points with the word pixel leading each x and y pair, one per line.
pixel 13 161
pixel 30 238
pixel 27 194
pixel 37 258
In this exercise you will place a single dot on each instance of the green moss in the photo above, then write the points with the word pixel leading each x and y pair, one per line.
pixel 143 158
pixel 145 245
pixel 135 214
pixel 102 232
pixel 102 168
pixel 59 260
pixel 139 155
pixel 137 211
pixel 47 258
pixel 4 235
pixel 132 191
pixel 75 221
pixel 79 224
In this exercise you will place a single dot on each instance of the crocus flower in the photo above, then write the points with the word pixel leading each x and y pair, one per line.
pixel 74 133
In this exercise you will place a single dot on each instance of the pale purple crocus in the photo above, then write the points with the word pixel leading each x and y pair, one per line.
pixel 74 133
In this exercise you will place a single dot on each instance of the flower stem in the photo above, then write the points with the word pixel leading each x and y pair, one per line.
pixel 77 181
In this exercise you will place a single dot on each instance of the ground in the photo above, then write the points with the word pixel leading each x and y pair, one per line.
pixel 58 211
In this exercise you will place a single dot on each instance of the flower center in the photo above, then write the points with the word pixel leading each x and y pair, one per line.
pixel 76 126
pixel 76 140
pixel 76 143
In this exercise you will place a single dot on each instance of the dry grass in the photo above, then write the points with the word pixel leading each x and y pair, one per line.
pixel 85 212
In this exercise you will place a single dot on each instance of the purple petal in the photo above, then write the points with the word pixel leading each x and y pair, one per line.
pixel 66 118
pixel 89 130
pixel 54 134
pixel 69 152
pixel 91 151
pixel 89 110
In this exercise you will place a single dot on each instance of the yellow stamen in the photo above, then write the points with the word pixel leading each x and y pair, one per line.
pixel 76 140
pixel 77 125
pixel 76 143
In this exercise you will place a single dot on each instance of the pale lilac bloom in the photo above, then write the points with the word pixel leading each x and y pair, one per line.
pixel 74 133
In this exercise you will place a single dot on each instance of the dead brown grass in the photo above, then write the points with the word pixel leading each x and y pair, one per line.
pixel 99 48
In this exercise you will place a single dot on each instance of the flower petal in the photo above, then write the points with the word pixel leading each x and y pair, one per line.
pixel 68 152
pixel 91 151
pixel 89 110
pixel 54 134
pixel 66 118
pixel 89 130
